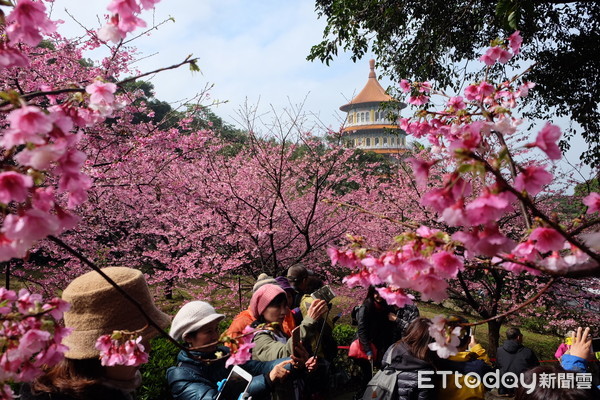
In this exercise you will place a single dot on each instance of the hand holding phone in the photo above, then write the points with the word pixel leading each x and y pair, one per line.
pixel 295 341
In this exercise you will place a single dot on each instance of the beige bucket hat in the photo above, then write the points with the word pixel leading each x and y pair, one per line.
pixel 98 309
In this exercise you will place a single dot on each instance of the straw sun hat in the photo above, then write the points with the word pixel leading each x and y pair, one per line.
pixel 98 309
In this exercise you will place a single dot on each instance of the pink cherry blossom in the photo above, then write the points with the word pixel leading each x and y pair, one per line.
pixel 471 92
pixel 488 207
pixel 514 41
pixel 446 265
pixel 431 286
pixel 124 7
pixel 547 239
pixel 14 186
pixel 488 241
pixel 405 86
pixel 523 90
pixel 27 124
pixel 456 102
pixel 42 156
pixel 418 100
pixel 364 278
pixel 241 356
pixel 420 169
pixel 11 57
pixel 32 225
pixel 533 179
pixel 27 21
pixel 344 258
pixel 546 141
pixel 101 92
pixel 395 297
pixel 454 215
pixel 593 202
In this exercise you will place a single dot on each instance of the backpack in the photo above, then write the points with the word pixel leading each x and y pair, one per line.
pixel 383 385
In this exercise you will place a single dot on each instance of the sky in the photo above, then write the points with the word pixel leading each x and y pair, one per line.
pixel 250 52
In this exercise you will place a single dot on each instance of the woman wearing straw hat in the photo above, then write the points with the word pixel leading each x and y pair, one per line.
pixel 98 309
pixel 199 370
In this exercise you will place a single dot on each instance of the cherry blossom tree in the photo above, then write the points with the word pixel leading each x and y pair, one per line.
pixel 474 137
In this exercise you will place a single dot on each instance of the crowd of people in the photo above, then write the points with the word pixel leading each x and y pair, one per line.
pixel 393 340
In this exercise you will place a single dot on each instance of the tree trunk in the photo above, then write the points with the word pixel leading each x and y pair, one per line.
pixel 7 275
pixel 168 289
pixel 493 337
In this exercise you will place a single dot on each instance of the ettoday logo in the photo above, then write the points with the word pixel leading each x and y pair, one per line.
pixel 509 380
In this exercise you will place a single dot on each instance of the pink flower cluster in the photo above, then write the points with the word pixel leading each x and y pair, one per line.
pixel 420 262
pixel 124 18
pixel 28 21
pixel 30 336
pixel 501 52
pixel 241 347
pixel 121 348
pixel 50 146
pixel 446 336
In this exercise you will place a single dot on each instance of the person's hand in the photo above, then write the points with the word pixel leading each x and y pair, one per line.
pixel 300 355
pixel 392 317
pixel 279 372
pixel 311 364
pixel 473 341
pixel 317 309
pixel 582 343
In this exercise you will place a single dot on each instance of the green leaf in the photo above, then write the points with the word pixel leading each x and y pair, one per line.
pixel 194 66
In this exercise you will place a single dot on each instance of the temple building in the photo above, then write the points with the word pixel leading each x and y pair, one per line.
pixel 367 124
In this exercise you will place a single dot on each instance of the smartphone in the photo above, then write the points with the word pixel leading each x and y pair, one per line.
pixel 324 293
pixel 295 340
pixel 237 383
pixel 596 345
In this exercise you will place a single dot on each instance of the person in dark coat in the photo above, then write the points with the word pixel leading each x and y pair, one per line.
pixel 375 324
pixel 409 356
pixel 514 357
pixel 374 327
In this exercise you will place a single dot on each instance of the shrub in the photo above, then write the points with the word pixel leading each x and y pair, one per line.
pixel 163 354
pixel 344 334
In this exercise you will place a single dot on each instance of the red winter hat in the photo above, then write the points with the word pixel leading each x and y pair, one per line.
pixel 262 297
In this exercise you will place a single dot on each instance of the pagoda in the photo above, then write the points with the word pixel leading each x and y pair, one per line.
pixel 368 126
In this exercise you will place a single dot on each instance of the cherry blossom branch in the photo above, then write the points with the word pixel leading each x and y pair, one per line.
pixel 536 212
pixel 365 211
pixel 94 267
pixel 188 60
pixel 514 310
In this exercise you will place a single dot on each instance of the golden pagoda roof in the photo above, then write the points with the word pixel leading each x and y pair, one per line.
pixel 373 92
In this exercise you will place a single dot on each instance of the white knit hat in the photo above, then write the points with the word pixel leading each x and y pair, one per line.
pixel 193 316
pixel 263 279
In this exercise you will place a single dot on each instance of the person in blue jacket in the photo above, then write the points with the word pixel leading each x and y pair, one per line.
pixel 199 371
pixel 576 358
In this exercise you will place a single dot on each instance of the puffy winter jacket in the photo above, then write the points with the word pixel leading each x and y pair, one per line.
pixel 407 379
pixel 191 379
pixel 516 358
pixel 476 361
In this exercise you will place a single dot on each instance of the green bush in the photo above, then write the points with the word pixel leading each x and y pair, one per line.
pixel 344 334
pixel 163 354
